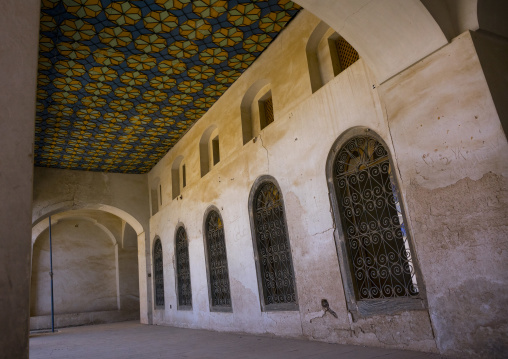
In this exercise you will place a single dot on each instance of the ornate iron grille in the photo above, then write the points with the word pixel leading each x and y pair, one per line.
pixel 183 269
pixel 347 54
pixel 217 261
pixel 372 221
pixel 275 261
pixel 158 273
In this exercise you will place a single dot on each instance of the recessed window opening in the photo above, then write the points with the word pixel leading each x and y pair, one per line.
pixel 215 150
pixel 274 263
pixel 266 110
pixel 176 186
pixel 217 262
pixel 155 196
pixel 158 273
pixel 344 55
pixel 160 194
pixel 366 202
pixel 184 177
pixel 183 270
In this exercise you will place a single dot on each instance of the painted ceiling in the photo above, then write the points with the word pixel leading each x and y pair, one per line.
pixel 120 82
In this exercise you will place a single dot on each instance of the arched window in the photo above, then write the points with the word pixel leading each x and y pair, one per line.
pixel 217 260
pixel 377 254
pixel 177 177
pixel 209 154
pixel 158 273
pixel 183 270
pixel 256 109
pixel 276 279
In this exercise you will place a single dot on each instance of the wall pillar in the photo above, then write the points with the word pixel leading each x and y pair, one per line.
pixel 19 26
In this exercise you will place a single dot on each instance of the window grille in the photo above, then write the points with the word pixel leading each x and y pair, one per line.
pixel 183 269
pixel 372 220
pixel 347 54
pixel 158 273
pixel 217 261
pixel 274 254
pixel 268 107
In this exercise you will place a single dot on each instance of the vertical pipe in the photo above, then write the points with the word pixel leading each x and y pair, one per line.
pixel 51 275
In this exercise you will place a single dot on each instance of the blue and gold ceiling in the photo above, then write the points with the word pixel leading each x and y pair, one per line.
pixel 120 82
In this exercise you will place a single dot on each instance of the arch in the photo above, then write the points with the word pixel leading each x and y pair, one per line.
pixel 175 177
pixel 158 273
pixel 390 35
pixel 274 263
pixel 183 275
pixel 69 205
pixel 219 290
pixel 208 154
pixel 249 114
pixel 378 266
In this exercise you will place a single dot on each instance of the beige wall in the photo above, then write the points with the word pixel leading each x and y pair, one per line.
pixel 19 26
pixel 436 112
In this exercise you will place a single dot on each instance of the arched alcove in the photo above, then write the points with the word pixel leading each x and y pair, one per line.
pixel 250 109
pixel 209 153
pixel 178 179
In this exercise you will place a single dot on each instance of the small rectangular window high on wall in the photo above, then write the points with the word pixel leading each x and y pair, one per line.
pixel 266 110
pixel 215 150
pixel 346 53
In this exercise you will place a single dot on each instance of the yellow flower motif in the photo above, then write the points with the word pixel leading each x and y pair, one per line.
pixel 244 14
pixel 140 120
pixel 108 56
pixel 215 90
pixel 128 138
pixel 172 111
pixel 110 127
pixel 114 117
pixel 162 122
pixel 150 43
pixel 155 96
pixel 147 108
pixel 67 84
pixel 60 110
pixel 115 36
pixel 162 82
pixel 227 76
pixel 127 92
pixel 123 13
pixel 213 55
pixel 141 62
pixel 274 21
pixel 185 49
pixel 73 50
pixel 172 67
pixel 180 99
pixel 57 123
pixel 190 86
pixel 134 78
pixel 257 42
pixel 85 125
pixel 88 114
pixel 121 105
pixel 160 21
pixel 172 4
pixel 44 63
pixel 201 72
pixel 70 68
pixel 104 137
pixel 241 61
pixel 204 102
pixel 156 131
pixel 64 98
pixel 227 36
pixel 209 8
pixel 195 29
pixel 93 101
pixel 98 88
pixel 134 129
pixel 102 73
pixel 47 22
pixel 194 114
pixel 83 8
pixel 77 29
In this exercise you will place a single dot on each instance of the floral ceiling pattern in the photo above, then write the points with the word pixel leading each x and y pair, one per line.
pixel 120 82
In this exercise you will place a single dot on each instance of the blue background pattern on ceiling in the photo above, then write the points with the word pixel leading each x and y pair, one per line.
pixel 120 82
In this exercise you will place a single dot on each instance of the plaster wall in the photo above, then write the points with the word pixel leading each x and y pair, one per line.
pixel 451 151
pixel 404 111
pixel 19 26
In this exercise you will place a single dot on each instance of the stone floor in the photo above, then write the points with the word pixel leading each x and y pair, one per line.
pixel 133 340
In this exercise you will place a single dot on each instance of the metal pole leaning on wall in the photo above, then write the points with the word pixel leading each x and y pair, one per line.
pixel 51 275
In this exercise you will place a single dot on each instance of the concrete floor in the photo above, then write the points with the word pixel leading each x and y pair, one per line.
pixel 133 340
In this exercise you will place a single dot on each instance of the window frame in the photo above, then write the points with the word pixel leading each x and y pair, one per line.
pixel 158 307
pixel 177 289
pixel 366 308
pixel 216 308
pixel 269 307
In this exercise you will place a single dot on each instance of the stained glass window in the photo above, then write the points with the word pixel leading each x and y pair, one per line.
pixel 220 294
pixel 183 269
